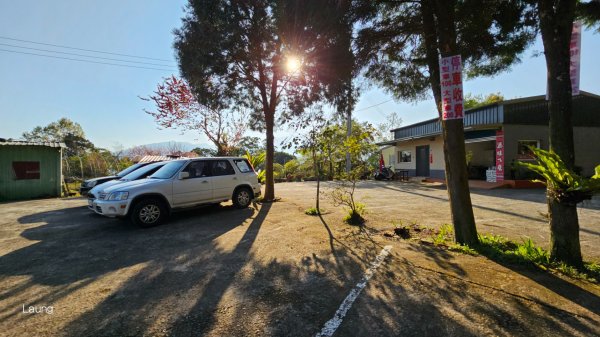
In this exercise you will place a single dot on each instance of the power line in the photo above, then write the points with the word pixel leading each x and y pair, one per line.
pixel 79 60
pixel 81 49
pixel 372 106
pixel 82 55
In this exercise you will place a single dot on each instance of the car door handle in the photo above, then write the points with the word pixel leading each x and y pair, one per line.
pixel 234 178
pixel 204 181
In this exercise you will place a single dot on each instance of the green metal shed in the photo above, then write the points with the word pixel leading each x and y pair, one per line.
pixel 30 170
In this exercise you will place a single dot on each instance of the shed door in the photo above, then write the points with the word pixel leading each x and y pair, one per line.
pixel 422 161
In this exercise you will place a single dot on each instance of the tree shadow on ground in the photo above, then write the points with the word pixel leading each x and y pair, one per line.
pixel 568 290
pixel 428 303
pixel 445 199
pixel 210 275
pixel 75 248
pixel 555 284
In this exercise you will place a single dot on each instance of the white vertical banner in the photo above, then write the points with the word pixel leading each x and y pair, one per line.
pixel 575 52
pixel 452 89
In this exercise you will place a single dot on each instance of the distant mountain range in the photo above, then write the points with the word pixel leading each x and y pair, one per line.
pixel 172 146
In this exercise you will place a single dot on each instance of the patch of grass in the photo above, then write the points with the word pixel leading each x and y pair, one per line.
pixel 313 211
pixel 455 247
pixel 443 235
pixel 501 249
pixel 526 253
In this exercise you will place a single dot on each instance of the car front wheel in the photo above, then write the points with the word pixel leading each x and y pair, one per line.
pixel 149 213
pixel 242 197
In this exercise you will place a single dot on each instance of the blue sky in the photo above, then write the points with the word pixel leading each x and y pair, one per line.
pixel 104 99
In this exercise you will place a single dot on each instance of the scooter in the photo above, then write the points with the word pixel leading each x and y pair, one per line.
pixel 384 174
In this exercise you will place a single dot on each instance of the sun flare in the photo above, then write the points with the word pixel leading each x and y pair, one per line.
pixel 292 64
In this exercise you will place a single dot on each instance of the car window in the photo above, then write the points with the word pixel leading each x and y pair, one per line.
pixel 221 168
pixel 243 165
pixel 149 172
pixel 129 170
pixel 197 169
pixel 168 170
pixel 143 172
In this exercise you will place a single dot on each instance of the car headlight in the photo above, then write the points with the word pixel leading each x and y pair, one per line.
pixel 118 196
pixel 92 183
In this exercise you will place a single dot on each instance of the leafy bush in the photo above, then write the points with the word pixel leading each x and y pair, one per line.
pixel 278 171
pixel 313 211
pixel 355 215
pixel 291 167
pixel 563 184
pixel 257 160
pixel 343 195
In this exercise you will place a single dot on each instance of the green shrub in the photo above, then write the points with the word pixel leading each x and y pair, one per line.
pixel 355 215
pixel 291 167
pixel 257 160
pixel 313 211
pixel 563 184
pixel 443 235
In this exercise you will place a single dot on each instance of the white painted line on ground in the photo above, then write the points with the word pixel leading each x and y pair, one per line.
pixel 331 326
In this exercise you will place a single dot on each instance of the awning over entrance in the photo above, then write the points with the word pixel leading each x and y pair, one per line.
pixel 477 136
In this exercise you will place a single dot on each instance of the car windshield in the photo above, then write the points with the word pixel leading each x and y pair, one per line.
pixel 168 170
pixel 129 170
pixel 143 172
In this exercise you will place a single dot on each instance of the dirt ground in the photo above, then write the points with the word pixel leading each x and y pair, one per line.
pixel 273 271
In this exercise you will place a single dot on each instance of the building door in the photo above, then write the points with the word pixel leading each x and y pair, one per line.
pixel 422 161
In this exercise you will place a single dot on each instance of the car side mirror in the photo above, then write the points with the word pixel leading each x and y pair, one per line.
pixel 184 175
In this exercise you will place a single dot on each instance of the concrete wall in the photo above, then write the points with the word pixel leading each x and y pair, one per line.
pixel 586 139
pixel 587 148
pixel 436 150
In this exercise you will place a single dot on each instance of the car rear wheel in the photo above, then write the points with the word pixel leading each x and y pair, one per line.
pixel 242 197
pixel 149 213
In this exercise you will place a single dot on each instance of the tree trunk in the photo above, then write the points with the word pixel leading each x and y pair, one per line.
pixel 452 130
pixel 269 183
pixel 556 24
pixel 564 233
pixel 317 170
pixel 331 174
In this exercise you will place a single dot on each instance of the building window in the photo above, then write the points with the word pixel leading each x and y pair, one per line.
pixel 523 151
pixel 404 157
pixel 26 169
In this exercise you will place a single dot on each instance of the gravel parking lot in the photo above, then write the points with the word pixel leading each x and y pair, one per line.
pixel 271 270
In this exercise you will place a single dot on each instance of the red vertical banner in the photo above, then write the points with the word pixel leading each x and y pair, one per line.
pixel 575 51
pixel 499 155
pixel 451 85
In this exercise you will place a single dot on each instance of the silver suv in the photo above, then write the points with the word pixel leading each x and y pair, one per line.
pixel 180 184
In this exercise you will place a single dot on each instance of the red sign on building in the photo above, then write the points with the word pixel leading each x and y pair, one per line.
pixel 575 51
pixel 452 89
pixel 499 155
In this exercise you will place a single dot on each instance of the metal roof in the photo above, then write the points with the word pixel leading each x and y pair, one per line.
pixel 527 111
pixel 26 143
pixel 151 159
